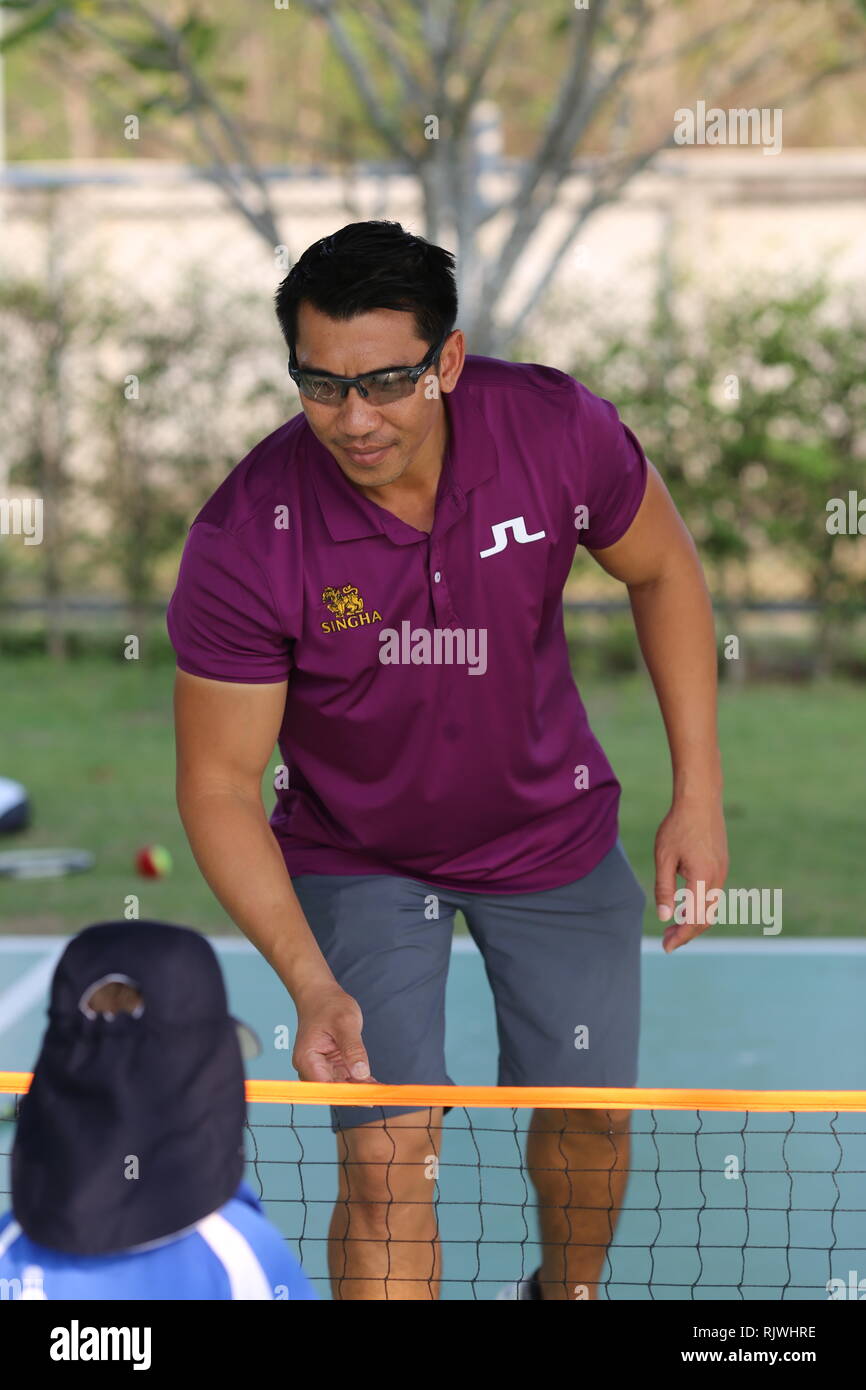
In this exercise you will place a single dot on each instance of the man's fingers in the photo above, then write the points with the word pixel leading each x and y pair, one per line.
pixel 704 913
pixel 666 885
pixel 671 939
pixel 329 1046
pixel 679 934
pixel 314 1066
pixel 352 1051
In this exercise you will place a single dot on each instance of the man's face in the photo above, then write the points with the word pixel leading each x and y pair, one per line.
pixel 374 444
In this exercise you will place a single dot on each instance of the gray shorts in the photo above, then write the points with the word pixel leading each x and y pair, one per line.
pixel 558 961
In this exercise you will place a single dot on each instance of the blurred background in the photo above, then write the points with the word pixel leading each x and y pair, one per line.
pixel 163 165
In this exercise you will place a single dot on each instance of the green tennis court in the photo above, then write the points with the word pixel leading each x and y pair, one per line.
pixel 720 1205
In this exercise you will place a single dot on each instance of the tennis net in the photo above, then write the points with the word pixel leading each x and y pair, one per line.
pixel 731 1195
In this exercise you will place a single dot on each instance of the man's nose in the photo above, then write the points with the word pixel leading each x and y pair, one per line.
pixel 357 415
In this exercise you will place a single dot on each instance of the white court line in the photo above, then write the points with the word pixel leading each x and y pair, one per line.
pixel 764 946
pixel 464 945
pixel 15 945
pixel 30 989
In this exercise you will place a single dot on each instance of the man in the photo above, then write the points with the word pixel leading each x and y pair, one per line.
pixel 128 1157
pixel 378 588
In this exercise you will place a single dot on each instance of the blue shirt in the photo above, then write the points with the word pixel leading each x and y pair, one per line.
pixel 235 1253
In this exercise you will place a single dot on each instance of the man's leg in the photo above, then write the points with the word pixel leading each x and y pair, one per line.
pixel 383 1241
pixel 375 933
pixel 578 1162
pixel 564 966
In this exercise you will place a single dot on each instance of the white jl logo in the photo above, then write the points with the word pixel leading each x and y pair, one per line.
pixel 517 526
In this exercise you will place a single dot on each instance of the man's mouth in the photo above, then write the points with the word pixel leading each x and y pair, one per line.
pixel 367 458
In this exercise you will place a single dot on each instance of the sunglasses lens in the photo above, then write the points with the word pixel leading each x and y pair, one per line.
pixel 378 390
pixel 391 386
pixel 318 388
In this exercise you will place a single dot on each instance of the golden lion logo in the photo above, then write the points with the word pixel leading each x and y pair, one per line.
pixel 348 608
pixel 343 601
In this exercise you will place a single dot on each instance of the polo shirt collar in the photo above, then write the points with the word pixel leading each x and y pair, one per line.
pixel 471 457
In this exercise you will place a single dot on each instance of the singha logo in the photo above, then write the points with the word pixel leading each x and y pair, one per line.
pixel 348 608
pixel 343 601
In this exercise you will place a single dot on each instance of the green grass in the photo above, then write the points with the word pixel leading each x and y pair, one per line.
pixel 793 762
pixel 93 742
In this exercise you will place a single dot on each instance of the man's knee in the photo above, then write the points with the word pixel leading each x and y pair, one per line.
pixel 581 1123
pixel 605 1121
pixel 381 1166
pixel 580 1146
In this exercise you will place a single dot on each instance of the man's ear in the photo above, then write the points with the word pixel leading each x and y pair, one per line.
pixel 451 361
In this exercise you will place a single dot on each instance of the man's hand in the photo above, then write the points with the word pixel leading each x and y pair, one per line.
pixel 328 1045
pixel 691 842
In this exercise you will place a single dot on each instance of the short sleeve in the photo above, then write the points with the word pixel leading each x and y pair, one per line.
pixel 222 621
pixel 615 471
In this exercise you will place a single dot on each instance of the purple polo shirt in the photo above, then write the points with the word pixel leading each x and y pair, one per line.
pixel 432 725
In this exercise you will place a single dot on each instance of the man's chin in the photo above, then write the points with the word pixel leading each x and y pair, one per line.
pixel 386 472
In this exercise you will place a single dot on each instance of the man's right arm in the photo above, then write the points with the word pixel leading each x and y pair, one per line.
pixel 225 735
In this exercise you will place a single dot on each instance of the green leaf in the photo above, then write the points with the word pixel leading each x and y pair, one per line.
pixel 200 38
pixel 151 57
pixel 42 18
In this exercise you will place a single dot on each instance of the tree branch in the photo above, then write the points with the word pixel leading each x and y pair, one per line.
pixel 575 110
pixel 203 95
pixel 386 128
pixel 411 82
pixel 475 76
pixel 601 195
pixel 261 218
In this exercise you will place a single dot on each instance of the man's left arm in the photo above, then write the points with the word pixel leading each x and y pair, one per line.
pixel 657 560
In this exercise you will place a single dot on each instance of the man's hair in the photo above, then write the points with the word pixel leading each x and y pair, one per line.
pixel 367 266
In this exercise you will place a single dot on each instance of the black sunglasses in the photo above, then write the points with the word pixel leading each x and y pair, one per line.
pixel 379 388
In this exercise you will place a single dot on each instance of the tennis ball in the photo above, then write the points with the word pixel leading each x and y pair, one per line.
pixel 154 861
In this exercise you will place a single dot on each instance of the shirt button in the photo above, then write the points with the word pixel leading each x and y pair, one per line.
pixel 437 576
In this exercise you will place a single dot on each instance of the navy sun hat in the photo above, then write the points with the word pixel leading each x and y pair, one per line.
pixel 133 1126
